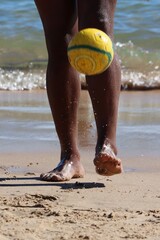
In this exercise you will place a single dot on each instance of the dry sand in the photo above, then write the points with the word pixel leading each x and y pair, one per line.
pixel 125 206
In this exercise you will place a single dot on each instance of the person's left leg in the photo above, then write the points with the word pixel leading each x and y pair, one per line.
pixel 104 89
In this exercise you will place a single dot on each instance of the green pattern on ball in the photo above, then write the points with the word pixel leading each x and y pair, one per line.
pixel 91 48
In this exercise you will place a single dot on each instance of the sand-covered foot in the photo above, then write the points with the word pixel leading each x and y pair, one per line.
pixel 106 162
pixel 66 170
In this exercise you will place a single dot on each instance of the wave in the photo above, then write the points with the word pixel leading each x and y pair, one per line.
pixel 140 69
pixel 22 79
pixel 35 79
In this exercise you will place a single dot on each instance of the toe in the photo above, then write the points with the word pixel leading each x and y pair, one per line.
pixel 107 166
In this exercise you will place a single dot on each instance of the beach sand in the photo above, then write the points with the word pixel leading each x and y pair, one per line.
pixel 126 206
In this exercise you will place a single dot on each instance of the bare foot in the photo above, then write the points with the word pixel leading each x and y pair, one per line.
pixel 106 162
pixel 66 169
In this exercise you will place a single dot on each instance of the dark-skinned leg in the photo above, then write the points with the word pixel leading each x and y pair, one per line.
pixel 104 89
pixel 63 86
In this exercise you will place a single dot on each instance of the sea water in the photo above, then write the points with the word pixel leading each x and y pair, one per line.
pixel 25 117
pixel 23 55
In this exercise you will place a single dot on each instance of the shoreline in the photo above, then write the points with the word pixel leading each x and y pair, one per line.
pixel 27 127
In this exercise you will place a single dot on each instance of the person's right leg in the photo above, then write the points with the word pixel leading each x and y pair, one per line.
pixel 63 86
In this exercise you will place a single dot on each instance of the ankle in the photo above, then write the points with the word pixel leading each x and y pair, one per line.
pixel 70 154
pixel 107 141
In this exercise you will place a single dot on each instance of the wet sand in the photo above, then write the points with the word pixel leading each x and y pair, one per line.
pixel 27 127
pixel 125 206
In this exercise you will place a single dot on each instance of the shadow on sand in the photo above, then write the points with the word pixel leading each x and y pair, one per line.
pixel 62 185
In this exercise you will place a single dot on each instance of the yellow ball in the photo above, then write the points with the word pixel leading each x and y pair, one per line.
pixel 90 51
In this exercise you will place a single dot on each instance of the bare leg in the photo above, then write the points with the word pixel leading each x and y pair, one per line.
pixel 104 89
pixel 63 87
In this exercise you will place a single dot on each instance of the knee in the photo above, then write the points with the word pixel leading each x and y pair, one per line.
pixel 101 17
pixel 103 21
pixel 57 43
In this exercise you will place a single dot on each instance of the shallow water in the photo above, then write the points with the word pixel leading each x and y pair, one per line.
pixel 26 126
